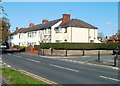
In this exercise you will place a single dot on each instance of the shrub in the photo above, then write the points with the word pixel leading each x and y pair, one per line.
pixel 78 46
pixel 16 46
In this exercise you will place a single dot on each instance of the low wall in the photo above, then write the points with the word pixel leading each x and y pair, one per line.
pixel 77 52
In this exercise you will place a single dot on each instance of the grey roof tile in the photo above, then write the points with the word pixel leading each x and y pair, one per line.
pixel 77 23
pixel 43 26
pixel 36 27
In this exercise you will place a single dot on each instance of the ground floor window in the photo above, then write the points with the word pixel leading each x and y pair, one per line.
pixel 57 41
pixel 91 41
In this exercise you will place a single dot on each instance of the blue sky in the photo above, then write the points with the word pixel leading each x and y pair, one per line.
pixel 103 15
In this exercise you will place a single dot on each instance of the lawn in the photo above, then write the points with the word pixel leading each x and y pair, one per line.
pixel 16 77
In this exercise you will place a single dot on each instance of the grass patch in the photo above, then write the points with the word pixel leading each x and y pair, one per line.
pixel 16 77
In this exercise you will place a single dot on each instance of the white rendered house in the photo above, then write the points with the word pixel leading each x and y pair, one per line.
pixel 76 31
pixel 60 30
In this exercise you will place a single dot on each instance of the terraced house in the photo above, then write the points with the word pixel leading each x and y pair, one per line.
pixel 59 30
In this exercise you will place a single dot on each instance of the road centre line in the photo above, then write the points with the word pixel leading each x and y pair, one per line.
pixel 34 60
pixel 64 68
pixel 110 78
pixel 19 56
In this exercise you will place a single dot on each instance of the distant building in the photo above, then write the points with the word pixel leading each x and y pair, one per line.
pixel 113 39
pixel 101 39
pixel 59 30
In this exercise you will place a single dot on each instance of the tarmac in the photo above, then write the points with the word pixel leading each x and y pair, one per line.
pixel 105 62
pixel 102 62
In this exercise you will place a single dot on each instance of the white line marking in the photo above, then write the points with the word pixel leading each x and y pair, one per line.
pixel 19 56
pixel 9 54
pixel 64 68
pixel 4 63
pixel 109 78
pixel 81 62
pixel 34 60
pixel 8 65
pixel 14 55
pixel 75 61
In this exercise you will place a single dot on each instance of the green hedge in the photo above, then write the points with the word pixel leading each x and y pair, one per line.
pixel 16 46
pixel 78 46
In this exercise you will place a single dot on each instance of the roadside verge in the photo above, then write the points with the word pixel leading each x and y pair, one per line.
pixel 21 77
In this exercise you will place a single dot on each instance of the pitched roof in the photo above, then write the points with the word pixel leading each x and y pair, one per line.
pixel 36 27
pixel 43 26
pixel 77 23
pixel 18 31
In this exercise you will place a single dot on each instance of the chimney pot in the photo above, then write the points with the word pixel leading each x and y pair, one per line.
pixel 44 21
pixel 31 25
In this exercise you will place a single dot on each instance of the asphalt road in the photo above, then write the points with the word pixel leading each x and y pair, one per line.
pixel 60 71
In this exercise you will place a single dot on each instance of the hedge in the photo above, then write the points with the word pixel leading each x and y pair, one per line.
pixel 78 46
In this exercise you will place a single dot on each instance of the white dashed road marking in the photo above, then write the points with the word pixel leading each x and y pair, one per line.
pixel 73 61
pixel 8 65
pixel 19 56
pixel 64 68
pixel 82 62
pixel 110 78
pixel 34 60
pixel 9 54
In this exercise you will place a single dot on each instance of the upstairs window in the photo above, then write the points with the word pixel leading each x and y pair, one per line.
pixel 58 30
pixel 65 30
pixel 19 36
pixel 35 34
pixel 29 34
pixel 47 31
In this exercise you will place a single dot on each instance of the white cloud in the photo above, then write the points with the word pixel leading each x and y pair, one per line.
pixel 108 23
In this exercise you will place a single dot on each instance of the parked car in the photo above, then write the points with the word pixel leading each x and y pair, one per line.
pixel 116 50
pixel 3 46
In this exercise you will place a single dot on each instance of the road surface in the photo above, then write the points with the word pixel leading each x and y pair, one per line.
pixel 61 71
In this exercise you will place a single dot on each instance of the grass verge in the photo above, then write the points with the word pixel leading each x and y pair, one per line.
pixel 16 77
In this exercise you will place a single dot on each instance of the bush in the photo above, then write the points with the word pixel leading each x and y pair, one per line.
pixel 16 46
pixel 78 46
pixel 23 46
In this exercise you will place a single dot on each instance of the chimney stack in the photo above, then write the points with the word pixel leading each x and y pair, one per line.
pixel 31 25
pixel 44 21
pixel 16 28
pixel 66 18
